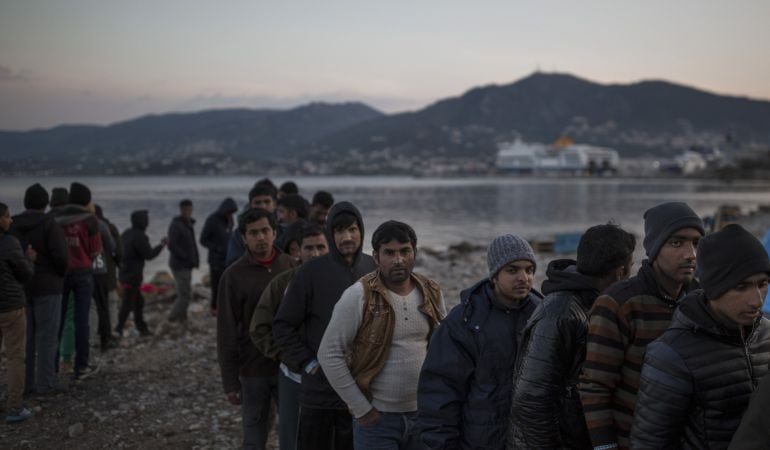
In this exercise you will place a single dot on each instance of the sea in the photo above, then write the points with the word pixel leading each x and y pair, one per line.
pixel 443 211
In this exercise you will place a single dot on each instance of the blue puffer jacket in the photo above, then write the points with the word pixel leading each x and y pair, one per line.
pixel 464 395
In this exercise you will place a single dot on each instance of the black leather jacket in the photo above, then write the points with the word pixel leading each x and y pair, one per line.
pixel 546 411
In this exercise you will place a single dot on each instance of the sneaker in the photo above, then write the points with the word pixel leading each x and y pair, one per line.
pixel 85 372
pixel 18 415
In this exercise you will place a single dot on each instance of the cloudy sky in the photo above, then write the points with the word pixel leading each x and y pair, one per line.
pixel 102 61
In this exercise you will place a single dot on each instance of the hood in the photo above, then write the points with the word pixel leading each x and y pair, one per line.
pixel 140 219
pixel 562 275
pixel 28 221
pixel 336 210
pixel 694 314
pixel 227 207
pixel 69 214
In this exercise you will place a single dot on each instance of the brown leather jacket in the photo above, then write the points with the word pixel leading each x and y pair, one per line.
pixel 372 342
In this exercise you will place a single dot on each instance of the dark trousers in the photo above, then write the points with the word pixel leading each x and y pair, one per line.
pixel 133 301
pixel 81 285
pixel 258 394
pixel 215 273
pixel 325 429
pixel 101 298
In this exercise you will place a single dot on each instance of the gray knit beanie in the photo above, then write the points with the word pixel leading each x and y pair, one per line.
pixel 663 220
pixel 506 249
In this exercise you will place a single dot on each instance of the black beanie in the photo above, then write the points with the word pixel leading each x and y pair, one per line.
pixel 727 257
pixel 661 221
pixel 80 194
pixel 36 197
pixel 59 197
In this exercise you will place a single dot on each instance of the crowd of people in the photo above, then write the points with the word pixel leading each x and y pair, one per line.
pixel 359 351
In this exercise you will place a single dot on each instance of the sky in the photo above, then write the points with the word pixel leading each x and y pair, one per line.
pixel 104 61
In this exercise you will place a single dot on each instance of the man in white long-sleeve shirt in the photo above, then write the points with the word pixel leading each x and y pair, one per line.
pixel 377 339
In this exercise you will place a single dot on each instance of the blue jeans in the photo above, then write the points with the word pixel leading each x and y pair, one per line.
pixel 288 412
pixel 256 396
pixel 394 431
pixel 43 320
pixel 81 284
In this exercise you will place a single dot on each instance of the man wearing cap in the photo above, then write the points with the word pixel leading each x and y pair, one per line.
pixel 81 230
pixel 631 314
pixel 464 391
pixel 36 228
pixel 699 375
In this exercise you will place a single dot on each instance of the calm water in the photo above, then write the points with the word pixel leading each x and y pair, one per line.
pixel 442 211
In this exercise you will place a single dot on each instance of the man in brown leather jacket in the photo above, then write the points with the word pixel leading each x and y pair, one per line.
pixel 376 341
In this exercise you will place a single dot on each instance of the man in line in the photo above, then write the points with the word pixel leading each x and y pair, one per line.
pixel 248 376
pixel 183 258
pixel 292 208
pixel 136 250
pixel 377 339
pixel 101 281
pixel 43 291
pixel 261 196
pixel 16 268
pixel 215 235
pixel 464 394
pixel 631 314
pixel 301 320
pixel 81 230
pixel 698 377
pixel 546 410
pixel 108 283
pixel 320 206
pixel 312 244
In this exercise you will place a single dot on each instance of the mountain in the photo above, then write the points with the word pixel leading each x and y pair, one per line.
pixel 648 117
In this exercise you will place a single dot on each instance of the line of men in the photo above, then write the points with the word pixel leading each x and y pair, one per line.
pixel 358 351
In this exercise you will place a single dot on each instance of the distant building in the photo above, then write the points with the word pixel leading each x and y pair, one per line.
pixel 572 158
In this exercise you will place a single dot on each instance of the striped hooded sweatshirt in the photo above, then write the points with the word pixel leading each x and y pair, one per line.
pixel 628 316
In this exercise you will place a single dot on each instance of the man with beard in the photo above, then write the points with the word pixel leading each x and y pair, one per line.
pixel 249 377
pixel 631 314
pixel 464 394
pixel 301 320
pixel 376 341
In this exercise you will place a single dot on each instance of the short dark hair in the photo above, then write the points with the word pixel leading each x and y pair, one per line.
pixel 291 234
pixel 603 248
pixel 393 230
pixel 343 220
pixel 295 202
pixel 308 230
pixel 266 182
pixel 185 202
pixel 260 190
pixel 3 208
pixel 323 198
pixel 289 187
pixel 252 215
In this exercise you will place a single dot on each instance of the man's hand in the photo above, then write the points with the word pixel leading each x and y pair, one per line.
pixel 369 419
pixel 164 241
pixel 234 398
pixel 213 312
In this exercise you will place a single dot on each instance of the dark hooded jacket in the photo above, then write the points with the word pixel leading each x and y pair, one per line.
pixel 41 231
pixel 182 248
pixel 546 410
pixel 307 307
pixel 15 270
pixel 216 232
pixel 464 393
pixel 136 250
pixel 697 380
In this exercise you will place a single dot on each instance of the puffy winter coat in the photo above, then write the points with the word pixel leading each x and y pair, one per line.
pixel 15 270
pixel 546 411
pixel 41 231
pixel 464 392
pixel 697 380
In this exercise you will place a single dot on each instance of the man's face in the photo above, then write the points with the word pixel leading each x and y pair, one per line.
pixel 186 212
pixel 318 214
pixel 742 305
pixel 264 202
pixel 676 259
pixel 395 260
pixel 259 237
pixel 514 281
pixel 347 239
pixel 5 220
pixel 286 215
pixel 312 247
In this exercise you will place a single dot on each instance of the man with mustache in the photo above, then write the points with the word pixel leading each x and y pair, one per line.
pixel 631 314
pixel 699 375
pixel 376 341
pixel 302 318
pixel 464 393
